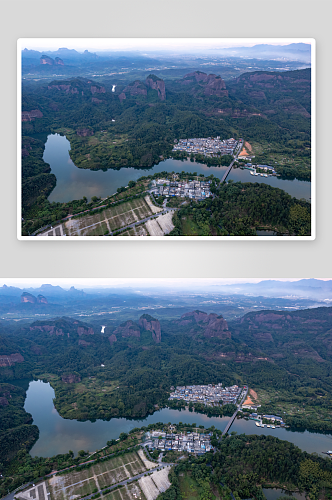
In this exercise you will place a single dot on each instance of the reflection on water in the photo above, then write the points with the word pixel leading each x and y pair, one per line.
pixel 275 493
pixel 263 232
pixel 58 435
pixel 307 441
pixel 73 183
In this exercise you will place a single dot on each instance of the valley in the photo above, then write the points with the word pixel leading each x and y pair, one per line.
pixel 119 123
pixel 80 395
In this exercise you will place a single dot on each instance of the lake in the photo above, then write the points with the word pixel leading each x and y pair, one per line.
pixel 73 183
pixel 58 435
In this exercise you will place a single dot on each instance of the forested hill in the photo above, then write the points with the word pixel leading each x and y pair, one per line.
pixel 305 334
pixel 261 106
pixel 284 356
pixel 275 337
pixel 272 92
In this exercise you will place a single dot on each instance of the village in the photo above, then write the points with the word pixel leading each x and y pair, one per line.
pixel 209 146
pixel 211 395
pixel 198 190
pixel 190 442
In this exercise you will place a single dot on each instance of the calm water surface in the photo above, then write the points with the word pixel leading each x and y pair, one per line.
pixel 58 435
pixel 73 183
pixel 274 493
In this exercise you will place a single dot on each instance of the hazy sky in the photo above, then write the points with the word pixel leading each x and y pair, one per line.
pixel 137 282
pixel 148 44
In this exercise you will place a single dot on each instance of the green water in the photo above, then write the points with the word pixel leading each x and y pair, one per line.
pixel 58 435
pixel 73 183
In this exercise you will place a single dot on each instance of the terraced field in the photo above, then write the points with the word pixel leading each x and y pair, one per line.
pixel 99 476
pixel 135 231
pixel 157 483
pixel 110 219
pixel 154 227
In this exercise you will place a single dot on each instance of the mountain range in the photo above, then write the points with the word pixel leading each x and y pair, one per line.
pixel 307 288
pixel 293 51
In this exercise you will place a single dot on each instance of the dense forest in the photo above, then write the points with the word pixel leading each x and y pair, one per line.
pixel 284 356
pixel 292 350
pixel 243 465
pixel 106 130
pixel 17 434
pixel 240 209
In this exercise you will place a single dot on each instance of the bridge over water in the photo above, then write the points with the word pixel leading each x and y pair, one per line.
pixel 231 420
pixel 231 165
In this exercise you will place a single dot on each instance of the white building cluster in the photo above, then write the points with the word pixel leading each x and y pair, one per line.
pixel 198 190
pixel 191 442
pixel 207 394
pixel 209 146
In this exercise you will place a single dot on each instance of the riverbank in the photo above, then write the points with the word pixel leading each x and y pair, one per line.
pixel 76 190
pixel 74 183
pixel 58 434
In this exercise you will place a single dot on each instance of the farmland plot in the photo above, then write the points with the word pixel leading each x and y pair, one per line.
pixel 124 493
pixel 110 473
pixel 127 213
pixel 135 231
pixel 165 222
pixel 157 483
pixel 148 487
pixel 128 492
pixel 71 486
pixel 160 478
pixel 99 476
pixel 97 224
pixel 36 493
pixel 153 228
pixel 77 227
pixel 134 491
pixel 114 495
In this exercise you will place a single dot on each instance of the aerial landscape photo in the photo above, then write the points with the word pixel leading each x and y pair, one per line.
pixel 190 138
pixel 176 389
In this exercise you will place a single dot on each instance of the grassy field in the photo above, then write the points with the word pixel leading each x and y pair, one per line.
pixel 273 154
pixel 109 219
pixel 190 490
pixel 303 405
pixel 189 227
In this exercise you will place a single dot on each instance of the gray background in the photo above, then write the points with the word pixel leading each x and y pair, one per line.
pixel 181 18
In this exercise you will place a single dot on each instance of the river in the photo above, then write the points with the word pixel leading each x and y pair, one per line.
pixel 73 183
pixel 58 435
